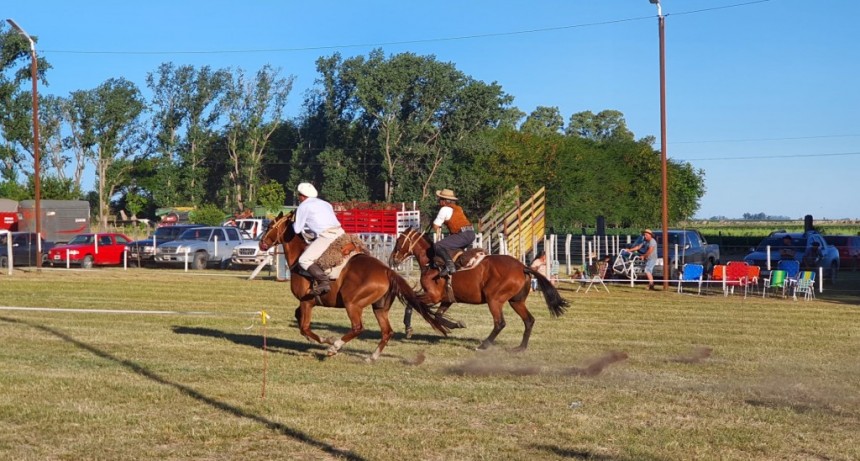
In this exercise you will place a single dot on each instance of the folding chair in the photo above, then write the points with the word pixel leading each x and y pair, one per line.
pixel 736 276
pixel 753 277
pixel 805 285
pixel 597 275
pixel 776 280
pixel 792 270
pixel 691 273
pixel 718 274
pixel 625 264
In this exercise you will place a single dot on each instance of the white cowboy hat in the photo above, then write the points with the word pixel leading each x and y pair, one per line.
pixel 307 189
pixel 446 194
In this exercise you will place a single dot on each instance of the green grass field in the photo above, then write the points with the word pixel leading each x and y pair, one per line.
pixel 181 377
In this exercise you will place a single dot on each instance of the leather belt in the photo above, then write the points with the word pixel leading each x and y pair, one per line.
pixel 467 228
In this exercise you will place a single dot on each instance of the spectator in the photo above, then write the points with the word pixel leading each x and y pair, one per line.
pixel 812 257
pixel 647 250
pixel 539 265
pixel 787 251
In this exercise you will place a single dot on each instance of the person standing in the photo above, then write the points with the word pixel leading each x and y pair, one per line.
pixel 648 252
pixel 316 217
pixel 461 233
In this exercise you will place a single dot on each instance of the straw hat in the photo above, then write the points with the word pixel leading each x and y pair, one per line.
pixel 647 231
pixel 446 194
pixel 307 189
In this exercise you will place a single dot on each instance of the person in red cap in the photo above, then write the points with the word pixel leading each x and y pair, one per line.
pixel 461 233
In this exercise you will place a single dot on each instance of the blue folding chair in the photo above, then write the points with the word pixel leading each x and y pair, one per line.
pixel 691 273
pixel 792 270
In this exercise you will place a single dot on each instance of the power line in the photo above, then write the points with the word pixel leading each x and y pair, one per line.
pixel 765 157
pixel 795 138
pixel 408 42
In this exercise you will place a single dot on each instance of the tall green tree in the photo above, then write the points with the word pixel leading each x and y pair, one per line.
pixel 254 108
pixel 106 127
pixel 543 121
pixel 16 103
pixel 606 125
pixel 185 112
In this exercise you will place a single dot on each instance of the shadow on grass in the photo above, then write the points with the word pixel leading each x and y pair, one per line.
pixel 275 426
pixel 569 453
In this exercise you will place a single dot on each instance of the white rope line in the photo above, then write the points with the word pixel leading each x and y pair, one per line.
pixel 121 311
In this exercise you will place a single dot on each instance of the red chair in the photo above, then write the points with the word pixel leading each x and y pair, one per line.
pixel 737 273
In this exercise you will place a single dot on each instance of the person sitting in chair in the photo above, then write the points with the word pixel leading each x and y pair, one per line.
pixel 461 234
pixel 316 217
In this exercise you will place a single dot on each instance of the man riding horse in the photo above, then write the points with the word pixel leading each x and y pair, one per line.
pixel 316 217
pixel 461 233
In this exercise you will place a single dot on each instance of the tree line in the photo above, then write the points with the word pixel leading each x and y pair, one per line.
pixel 373 128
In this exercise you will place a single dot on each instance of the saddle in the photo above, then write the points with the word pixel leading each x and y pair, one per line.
pixel 463 259
pixel 335 257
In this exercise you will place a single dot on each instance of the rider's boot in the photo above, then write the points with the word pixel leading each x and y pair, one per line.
pixel 449 267
pixel 323 285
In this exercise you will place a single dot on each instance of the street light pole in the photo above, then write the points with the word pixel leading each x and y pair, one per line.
pixel 37 180
pixel 663 157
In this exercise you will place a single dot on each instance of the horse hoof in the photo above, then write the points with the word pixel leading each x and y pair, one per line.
pixel 461 325
pixel 408 333
pixel 331 352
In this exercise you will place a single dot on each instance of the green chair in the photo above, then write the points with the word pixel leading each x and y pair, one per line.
pixel 805 285
pixel 776 280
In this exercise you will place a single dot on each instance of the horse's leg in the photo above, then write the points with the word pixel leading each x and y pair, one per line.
pixel 381 313
pixel 407 321
pixel 440 316
pixel 303 315
pixel 354 314
pixel 528 322
pixel 498 323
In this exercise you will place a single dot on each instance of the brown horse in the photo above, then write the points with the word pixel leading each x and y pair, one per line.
pixel 496 279
pixel 364 281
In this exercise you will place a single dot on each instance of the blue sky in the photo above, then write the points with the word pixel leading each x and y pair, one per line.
pixel 762 95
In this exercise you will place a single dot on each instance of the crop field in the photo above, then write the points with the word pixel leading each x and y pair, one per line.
pixel 109 364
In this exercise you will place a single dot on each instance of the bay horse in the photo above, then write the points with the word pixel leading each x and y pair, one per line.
pixel 496 279
pixel 364 281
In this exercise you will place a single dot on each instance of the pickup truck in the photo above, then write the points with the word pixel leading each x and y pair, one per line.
pixel 200 247
pixel 691 248
pixel 24 249
pixel 142 252
pixel 774 247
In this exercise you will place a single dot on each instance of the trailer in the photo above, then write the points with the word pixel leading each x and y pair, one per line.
pixel 61 219
pixel 8 215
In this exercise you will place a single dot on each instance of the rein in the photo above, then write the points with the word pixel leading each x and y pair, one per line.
pixel 408 237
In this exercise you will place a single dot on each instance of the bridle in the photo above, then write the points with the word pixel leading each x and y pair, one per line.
pixel 410 238
pixel 277 226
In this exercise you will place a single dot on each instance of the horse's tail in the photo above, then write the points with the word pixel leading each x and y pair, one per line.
pixel 556 304
pixel 406 295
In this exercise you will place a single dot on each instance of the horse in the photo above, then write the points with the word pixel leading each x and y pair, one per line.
pixel 364 281
pixel 494 280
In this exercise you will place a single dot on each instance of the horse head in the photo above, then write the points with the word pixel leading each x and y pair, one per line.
pixel 408 244
pixel 279 231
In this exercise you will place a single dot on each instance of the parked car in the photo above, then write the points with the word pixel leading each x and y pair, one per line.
pixel 201 247
pixel 692 248
pixel 849 249
pixel 142 252
pixel 801 243
pixel 88 250
pixel 25 249
pixel 250 227
pixel 249 253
